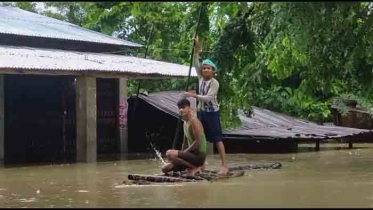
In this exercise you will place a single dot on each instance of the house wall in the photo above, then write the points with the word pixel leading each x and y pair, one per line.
pixel 34 118
pixel 259 146
pixel 107 116
pixel 2 119
pixel 353 119
pixel 40 123
pixel 147 124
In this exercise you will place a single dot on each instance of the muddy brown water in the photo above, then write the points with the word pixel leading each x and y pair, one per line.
pixel 333 177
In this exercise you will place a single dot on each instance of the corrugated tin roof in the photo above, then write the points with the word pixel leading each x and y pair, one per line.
pixel 263 123
pixel 59 60
pixel 20 22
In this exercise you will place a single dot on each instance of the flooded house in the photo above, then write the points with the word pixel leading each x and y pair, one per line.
pixel 63 89
pixel 264 131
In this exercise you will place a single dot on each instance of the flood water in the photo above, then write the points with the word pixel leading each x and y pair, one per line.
pixel 335 176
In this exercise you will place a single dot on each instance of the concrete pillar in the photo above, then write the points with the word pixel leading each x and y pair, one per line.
pixel 2 118
pixel 123 122
pixel 86 119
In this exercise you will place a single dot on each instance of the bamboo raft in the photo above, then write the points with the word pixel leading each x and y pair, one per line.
pixel 206 175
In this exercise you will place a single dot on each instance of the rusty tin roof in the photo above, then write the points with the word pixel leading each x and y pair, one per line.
pixel 20 22
pixel 263 124
pixel 51 60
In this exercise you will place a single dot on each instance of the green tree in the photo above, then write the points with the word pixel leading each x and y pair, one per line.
pixel 72 12
pixel 308 52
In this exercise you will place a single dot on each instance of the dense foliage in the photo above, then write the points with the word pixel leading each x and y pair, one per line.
pixel 291 57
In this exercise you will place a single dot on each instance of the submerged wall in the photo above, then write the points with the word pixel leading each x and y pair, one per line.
pixel 40 118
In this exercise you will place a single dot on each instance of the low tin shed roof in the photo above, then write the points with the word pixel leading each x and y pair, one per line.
pixel 263 124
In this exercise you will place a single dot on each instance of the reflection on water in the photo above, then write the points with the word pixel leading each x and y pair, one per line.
pixel 333 177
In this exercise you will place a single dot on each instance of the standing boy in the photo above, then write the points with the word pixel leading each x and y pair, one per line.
pixel 208 107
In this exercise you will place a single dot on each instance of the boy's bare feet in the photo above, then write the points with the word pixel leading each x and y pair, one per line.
pixel 193 171
pixel 224 170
